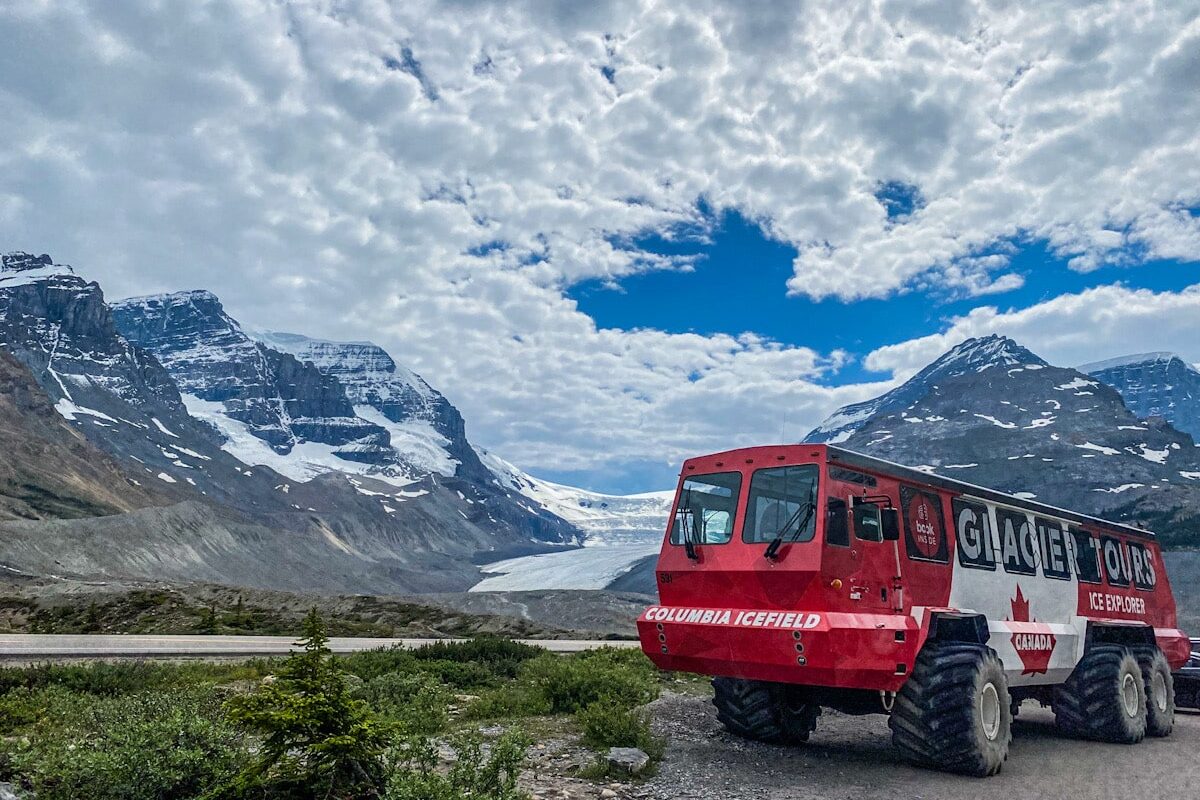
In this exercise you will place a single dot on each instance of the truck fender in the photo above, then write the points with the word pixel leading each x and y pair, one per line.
pixel 1129 634
pixel 953 625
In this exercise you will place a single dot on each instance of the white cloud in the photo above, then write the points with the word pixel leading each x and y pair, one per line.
pixel 1070 329
pixel 328 167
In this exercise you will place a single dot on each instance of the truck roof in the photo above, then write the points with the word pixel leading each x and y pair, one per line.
pixel 850 458
pixel 863 461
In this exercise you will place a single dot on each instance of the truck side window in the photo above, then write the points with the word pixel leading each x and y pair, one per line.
pixel 1018 542
pixel 1087 556
pixel 837 528
pixel 1116 565
pixel 973 527
pixel 1054 549
pixel 1141 564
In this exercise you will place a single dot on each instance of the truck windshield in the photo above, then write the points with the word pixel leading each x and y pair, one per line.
pixel 780 505
pixel 707 505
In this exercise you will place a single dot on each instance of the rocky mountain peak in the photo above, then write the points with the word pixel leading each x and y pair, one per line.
pixel 971 356
pixel 427 431
pixel 19 261
pixel 979 354
pixel 226 375
pixel 19 268
pixel 991 413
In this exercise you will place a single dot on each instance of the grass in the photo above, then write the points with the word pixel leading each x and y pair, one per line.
pixel 174 722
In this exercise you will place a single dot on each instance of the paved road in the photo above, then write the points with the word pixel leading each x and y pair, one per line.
pixel 43 647
pixel 851 758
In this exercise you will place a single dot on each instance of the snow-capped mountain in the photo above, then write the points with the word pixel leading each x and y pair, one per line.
pixel 972 356
pixel 180 501
pixel 428 434
pixel 1155 385
pixel 58 325
pixel 1002 417
pixel 307 407
pixel 272 408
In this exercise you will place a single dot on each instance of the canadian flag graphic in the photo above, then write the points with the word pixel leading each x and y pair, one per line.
pixel 1034 642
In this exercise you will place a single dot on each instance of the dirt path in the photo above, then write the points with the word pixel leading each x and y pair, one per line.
pixel 851 758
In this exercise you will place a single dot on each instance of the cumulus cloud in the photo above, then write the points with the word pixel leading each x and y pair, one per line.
pixel 1068 330
pixel 433 176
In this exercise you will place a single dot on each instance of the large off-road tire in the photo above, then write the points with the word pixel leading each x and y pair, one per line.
pixel 763 711
pixel 954 712
pixel 1160 691
pixel 1105 697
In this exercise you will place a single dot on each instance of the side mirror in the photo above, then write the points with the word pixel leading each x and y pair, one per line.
pixel 890 518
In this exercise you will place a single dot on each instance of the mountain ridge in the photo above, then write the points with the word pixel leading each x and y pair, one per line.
pixel 1015 423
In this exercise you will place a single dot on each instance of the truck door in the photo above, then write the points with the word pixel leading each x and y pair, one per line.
pixel 879 579
pixel 860 555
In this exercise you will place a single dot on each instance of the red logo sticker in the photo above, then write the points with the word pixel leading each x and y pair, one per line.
pixel 1033 647
pixel 924 531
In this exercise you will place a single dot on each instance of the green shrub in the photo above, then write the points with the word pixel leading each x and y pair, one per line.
pixel 368 664
pixel 607 724
pixel 570 684
pixel 415 775
pixel 503 657
pixel 22 707
pixel 316 739
pixel 470 664
pixel 99 678
pixel 508 702
pixel 125 677
pixel 415 703
pixel 152 745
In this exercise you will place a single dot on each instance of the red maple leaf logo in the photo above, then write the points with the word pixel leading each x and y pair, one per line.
pixel 1034 647
pixel 1020 607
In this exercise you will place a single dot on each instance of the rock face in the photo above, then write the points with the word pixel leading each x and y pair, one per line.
pixel 257 474
pixel 48 469
pixel 279 399
pixel 972 356
pixel 427 433
pixel 991 413
pixel 1155 385
pixel 58 325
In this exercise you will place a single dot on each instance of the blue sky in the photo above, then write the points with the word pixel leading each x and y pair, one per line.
pixel 739 284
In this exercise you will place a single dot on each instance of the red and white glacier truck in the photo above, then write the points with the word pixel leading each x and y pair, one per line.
pixel 808 576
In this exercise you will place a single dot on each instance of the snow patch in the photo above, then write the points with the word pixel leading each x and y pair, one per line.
pixel 996 422
pixel 69 410
pixel 1077 383
pixel 163 428
pixel 1099 448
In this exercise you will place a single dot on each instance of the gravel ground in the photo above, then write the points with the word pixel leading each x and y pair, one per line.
pixel 851 757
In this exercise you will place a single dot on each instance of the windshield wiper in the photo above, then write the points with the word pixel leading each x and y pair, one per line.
pixel 807 509
pixel 686 511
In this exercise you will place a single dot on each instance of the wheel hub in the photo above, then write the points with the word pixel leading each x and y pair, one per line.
pixel 1158 688
pixel 1129 695
pixel 990 712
